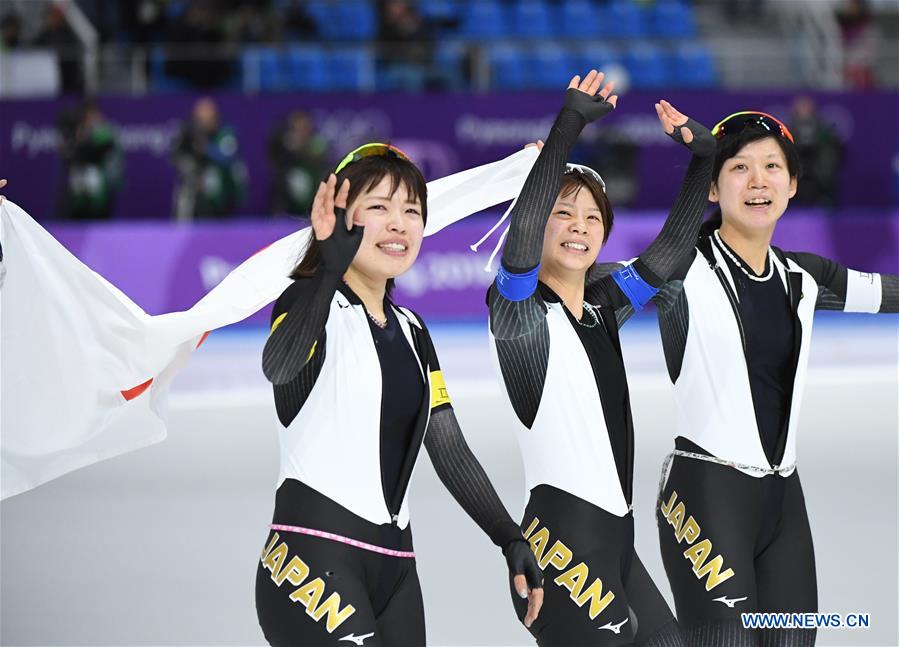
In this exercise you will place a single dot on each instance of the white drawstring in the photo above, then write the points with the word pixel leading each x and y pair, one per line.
pixel 502 238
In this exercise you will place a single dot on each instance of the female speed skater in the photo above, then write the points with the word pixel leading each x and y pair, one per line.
pixel 358 390
pixel 554 329
pixel 736 320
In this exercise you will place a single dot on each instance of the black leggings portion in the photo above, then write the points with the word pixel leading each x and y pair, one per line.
pixel 596 590
pixel 734 543
pixel 316 591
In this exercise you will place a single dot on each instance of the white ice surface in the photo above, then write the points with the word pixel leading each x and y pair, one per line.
pixel 160 546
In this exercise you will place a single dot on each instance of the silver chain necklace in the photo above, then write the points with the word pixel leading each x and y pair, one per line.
pixel 380 324
pixel 589 308
pixel 731 256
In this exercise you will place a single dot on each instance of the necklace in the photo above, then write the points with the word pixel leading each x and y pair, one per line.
pixel 380 324
pixel 589 308
pixel 376 321
pixel 731 256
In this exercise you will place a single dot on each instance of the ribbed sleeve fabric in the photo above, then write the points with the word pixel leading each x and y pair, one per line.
pixel 524 245
pixel 463 476
pixel 678 235
pixel 306 303
pixel 889 300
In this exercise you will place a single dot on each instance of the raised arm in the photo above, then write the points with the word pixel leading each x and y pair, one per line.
pixel 301 313
pixel 517 314
pixel 848 290
pixel 634 285
pixel 515 310
pixel 524 245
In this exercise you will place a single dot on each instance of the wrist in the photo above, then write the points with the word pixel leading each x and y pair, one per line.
pixel 504 533
pixel 568 124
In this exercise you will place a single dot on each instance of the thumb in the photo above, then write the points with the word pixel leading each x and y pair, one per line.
pixel 687 134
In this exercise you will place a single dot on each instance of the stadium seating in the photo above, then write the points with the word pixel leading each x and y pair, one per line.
pixel 524 44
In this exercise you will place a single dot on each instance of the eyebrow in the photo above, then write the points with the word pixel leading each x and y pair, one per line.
pixel 385 198
pixel 572 205
pixel 744 157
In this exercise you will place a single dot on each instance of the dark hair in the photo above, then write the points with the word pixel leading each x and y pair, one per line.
pixel 365 175
pixel 574 182
pixel 730 145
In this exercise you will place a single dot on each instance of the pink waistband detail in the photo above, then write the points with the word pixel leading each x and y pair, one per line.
pixel 343 540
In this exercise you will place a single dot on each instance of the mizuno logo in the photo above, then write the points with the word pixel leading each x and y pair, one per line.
pixel 357 639
pixel 614 628
pixel 730 602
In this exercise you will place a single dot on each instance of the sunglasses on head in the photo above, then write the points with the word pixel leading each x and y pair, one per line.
pixel 738 121
pixel 370 150
pixel 585 170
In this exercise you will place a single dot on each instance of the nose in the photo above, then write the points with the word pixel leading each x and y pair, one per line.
pixel 396 223
pixel 756 178
pixel 578 225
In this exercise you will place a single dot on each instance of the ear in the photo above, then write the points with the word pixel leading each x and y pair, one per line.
pixel 794 184
pixel 713 193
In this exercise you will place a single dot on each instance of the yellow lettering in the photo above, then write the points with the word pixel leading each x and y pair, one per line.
pixel 538 542
pixel 676 518
pixel 531 528
pixel 713 570
pixel 267 549
pixel 559 556
pixel 690 531
pixel 275 559
pixel 309 594
pixel 698 554
pixel 666 507
pixel 336 615
pixel 573 579
pixel 598 601
pixel 296 571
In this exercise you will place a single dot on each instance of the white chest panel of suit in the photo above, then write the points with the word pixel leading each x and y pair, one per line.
pixel 333 443
pixel 568 446
pixel 712 392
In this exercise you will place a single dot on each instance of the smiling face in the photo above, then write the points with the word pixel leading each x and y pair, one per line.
pixel 574 235
pixel 394 228
pixel 754 187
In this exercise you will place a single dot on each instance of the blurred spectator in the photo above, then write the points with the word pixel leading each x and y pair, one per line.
pixel 10 31
pixel 299 158
pixel 212 177
pixel 251 21
pixel 144 21
pixel 860 43
pixel 55 34
pixel 200 54
pixel 93 163
pixel 820 152
pixel 405 45
pixel 614 155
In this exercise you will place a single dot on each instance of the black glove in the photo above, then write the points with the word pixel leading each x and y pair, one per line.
pixel 590 108
pixel 703 144
pixel 521 561
pixel 339 249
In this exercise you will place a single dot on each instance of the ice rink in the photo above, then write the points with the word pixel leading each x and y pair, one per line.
pixel 160 546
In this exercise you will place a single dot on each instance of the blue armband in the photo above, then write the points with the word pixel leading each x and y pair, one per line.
pixel 516 287
pixel 635 288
